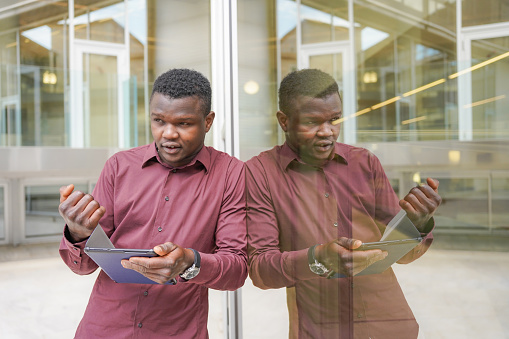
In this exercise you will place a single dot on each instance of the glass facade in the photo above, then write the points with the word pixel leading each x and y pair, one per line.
pixel 423 86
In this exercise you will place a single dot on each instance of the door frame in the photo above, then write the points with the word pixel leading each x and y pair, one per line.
pixel 78 117
pixel 469 34
pixel 348 99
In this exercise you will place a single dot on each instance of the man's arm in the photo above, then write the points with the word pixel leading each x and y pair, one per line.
pixel 420 204
pixel 82 213
pixel 226 268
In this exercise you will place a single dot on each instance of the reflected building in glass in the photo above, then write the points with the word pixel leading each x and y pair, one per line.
pixel 424 86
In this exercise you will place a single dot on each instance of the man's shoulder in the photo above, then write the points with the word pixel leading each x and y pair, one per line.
pixel 221 160
pixel 266 157
pixel 132 154
pixel 351 152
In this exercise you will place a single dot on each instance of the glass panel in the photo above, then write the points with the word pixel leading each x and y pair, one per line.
pixel 333 65
pixel 36 87
pixel 258 73
pixel 138 44
pixel 490 98
pixel 464 203
pixel 41 210
pixel 101 101
pixel 2 214
pixel 477 12
pixel 101 21
pixel 323 20
pixel 9 70
pixel 179 36
pixel 287 35
pixel 10 126
pixel 500 201
pixel 402 68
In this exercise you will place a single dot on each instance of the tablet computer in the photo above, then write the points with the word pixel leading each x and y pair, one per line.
pixel 100 249
pixel 399 238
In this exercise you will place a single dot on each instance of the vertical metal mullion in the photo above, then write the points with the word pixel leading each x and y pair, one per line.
pixel 225 76
pixel 352 67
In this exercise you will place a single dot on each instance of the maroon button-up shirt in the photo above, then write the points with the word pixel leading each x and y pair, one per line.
pixel 199 206
pixel 292 206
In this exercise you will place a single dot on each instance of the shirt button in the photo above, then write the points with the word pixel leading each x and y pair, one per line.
pixel 140 325
pixel 145 293
pixel 335 224
pixel 166 198
pixel 159 228
pixel 75 262
pixel 326 195
pixel 174 170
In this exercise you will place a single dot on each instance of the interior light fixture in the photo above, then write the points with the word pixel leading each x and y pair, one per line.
pixel 409 121
pixel 479 65
pixel 49 78
pixel 422 88
pixel 485 101
pixel 251 87
pixel 454 157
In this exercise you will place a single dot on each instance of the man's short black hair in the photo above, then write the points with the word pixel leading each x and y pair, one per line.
pixel 181 83
pixel 306 82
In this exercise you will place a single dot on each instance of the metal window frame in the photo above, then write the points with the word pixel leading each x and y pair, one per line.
pixel 77 48
pixel 5 186
pixel 26 182
pixel 224 70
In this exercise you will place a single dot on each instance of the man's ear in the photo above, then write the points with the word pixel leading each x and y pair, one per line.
pixel 209 119
pixel 283 120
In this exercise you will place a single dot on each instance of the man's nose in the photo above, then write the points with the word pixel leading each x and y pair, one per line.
pixel 325 130
pixel 170 132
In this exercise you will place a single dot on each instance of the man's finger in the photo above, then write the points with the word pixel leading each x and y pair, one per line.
pixel 97 215
pixel 165 248
pixel 433 183
pixel 348 243
pixel 65 191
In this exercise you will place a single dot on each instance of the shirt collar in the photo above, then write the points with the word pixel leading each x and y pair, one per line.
pixel 203 157
pixel 288 155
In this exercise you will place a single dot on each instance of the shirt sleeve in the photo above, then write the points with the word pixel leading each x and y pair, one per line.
pixel 73 254
pixel 226 268
pixel 268 266
pixel 387 206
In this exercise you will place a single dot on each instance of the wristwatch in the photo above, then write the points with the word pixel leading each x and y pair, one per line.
pixel 192 271
pixel 315 266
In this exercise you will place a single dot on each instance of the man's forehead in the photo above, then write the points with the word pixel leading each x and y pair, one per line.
pixel 308 104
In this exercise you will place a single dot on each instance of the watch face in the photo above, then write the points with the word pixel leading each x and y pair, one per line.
pixel 190 273
pixel 318 268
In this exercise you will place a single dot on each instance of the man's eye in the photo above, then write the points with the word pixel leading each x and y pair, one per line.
pixel 184 124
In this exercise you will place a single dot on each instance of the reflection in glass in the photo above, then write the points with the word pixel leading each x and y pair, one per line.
pixel 464 203
pixel 490 97
pixel 287 36
pixel 403 94
pixel 500 202
pixel 323 21
pixel 2 214
pixel 257 74
pixel 477 12
pixel 41 210
pixel 100 21
pixel 100 98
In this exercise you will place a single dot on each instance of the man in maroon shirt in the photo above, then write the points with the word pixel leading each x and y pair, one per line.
pixel 311 202
pixel 177 196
